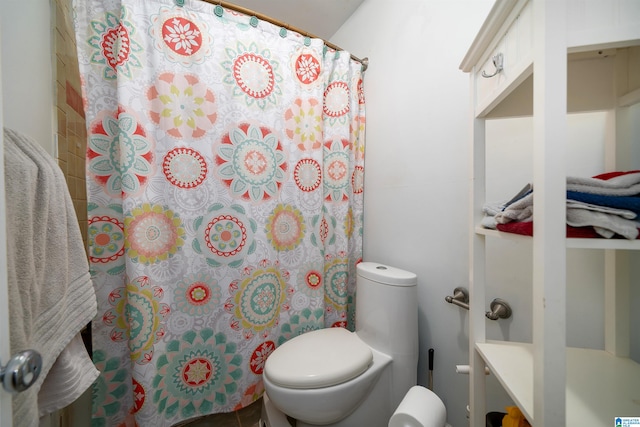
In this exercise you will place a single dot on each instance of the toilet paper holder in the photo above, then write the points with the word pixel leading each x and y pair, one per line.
pixel 499 308
pixel 460 298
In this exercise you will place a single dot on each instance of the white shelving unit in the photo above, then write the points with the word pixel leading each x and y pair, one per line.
pixel 553 53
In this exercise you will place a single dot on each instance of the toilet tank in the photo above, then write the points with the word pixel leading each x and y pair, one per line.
pixel 387 320
pixel 387 309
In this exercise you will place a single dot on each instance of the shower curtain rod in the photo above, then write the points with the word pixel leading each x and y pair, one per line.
pixel 246 11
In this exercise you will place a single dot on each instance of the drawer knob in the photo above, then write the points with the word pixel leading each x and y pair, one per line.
pixel 497 62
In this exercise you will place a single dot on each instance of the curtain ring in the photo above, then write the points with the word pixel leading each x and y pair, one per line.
pixel 218 11
pixel 179 3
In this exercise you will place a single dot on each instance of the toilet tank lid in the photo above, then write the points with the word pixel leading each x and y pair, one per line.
pixel 386 275
pixel 320 358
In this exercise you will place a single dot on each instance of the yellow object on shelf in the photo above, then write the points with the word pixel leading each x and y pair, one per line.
pixel 514 418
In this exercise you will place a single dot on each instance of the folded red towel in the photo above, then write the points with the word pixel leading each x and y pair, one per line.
pixel 609 175
pixel 526 229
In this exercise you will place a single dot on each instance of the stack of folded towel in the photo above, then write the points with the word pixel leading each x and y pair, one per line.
pixel 606 205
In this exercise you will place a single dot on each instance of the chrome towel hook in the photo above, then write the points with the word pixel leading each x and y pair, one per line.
pixel 498 63
pixel 500 309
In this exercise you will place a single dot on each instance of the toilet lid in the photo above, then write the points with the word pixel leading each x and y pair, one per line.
pixel 319 358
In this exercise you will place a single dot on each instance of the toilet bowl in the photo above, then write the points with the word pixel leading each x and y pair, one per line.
pixel 338 378
pixel 335 395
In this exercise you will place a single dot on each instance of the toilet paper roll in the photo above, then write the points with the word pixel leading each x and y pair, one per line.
pixel 462 369
pixel 465 369
pixel 420 407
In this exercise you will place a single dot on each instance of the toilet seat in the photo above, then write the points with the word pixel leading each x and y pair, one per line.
pixel 319 358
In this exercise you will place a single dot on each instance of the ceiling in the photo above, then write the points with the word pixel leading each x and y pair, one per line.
pixel 321 18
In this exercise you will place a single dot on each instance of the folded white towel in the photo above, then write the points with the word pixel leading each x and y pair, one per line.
pixel 492 209
pixel 520 210
pixel 623 213
pixel 604 224
pixel 623 185
pixel 51 297
pixel 606 221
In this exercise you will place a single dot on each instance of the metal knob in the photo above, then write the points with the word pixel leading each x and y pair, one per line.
pixel 21 372
pixel 500 309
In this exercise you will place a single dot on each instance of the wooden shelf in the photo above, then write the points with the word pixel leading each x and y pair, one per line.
pixel 512 364
pixel 574 243
pixel 600 386
pixel 555 58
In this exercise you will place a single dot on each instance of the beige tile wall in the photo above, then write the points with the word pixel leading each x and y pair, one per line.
pixel 72 134
pixel 72 137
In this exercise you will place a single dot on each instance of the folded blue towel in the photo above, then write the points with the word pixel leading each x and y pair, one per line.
pixel 631 203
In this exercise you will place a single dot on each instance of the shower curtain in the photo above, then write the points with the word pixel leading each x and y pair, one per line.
pixel 225 199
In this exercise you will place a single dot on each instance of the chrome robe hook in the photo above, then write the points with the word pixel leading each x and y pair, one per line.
pixel 498 63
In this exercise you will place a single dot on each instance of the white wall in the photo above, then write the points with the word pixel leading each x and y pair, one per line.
pixel 27 69
pixel 27 80
pixel 417 174
pixel 509 271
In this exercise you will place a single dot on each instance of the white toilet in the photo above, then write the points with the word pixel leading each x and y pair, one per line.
pixel 338 378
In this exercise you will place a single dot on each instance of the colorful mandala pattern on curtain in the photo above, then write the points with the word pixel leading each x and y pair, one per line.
pixel 225 199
